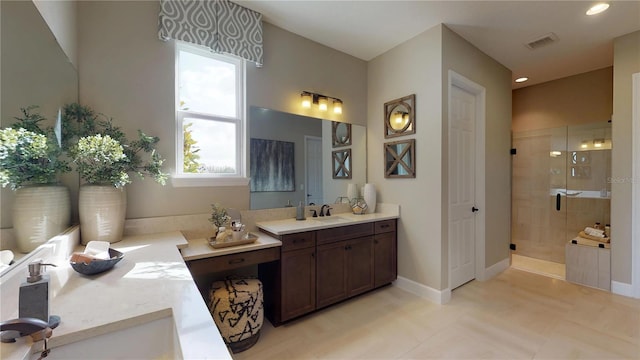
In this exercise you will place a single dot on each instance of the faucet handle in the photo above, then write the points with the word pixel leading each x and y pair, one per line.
pixel 329 211
pixel 315 213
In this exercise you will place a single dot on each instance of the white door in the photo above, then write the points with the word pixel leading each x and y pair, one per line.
pixel 462 171
pixel 313 154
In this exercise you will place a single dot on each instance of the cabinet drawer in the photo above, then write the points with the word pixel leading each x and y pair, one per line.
pixel 298 241
pixel 385 226
pixel 326 236
pixel 233 261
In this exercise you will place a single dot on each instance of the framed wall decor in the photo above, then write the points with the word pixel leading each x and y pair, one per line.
pixel 400 117
pixel 400 159
pixel 341 160
pixel 271 165
pixel 340 134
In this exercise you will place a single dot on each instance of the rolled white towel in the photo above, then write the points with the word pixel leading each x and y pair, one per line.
pixel 594 232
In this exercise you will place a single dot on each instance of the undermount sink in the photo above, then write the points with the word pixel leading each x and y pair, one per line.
pixel 329 219
pixel 155 339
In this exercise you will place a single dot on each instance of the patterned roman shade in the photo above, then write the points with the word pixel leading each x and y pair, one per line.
pixel 221 25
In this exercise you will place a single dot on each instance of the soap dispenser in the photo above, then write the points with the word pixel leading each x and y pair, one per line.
pixel 34 293
pixel 300 212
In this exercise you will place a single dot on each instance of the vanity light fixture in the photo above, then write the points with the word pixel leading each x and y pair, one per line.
pixel 309 98
pixel 400 120
pixel 584 145
pixel 597 8
pixel 598 143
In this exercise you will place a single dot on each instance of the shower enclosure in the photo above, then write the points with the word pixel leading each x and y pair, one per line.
pixel 560 185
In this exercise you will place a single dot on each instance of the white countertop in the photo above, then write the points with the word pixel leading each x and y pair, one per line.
pixel 291 226
pixel 200 248
pixel 150 282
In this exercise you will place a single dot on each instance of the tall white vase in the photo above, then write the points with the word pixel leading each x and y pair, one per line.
pixel 102 210
pixel 369 194
pixel 352 191
pixel 39 213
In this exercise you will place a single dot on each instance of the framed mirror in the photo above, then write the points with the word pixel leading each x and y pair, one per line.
pixel 400 159
pixel 400 117
pixel 341 164
pixel 340 134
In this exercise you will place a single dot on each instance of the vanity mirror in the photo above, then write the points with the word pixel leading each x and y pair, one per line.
pixel 340 133
pixel 35 71
pixel 313 157
pixel 400 117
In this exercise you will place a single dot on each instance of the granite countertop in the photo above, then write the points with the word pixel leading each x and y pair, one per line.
pixel 151 282
pixel 200 248
pixel 291 225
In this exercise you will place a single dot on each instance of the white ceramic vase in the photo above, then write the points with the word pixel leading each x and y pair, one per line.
pixel 352 191
pixel 369 194
pixel 102 210
pixel 39 213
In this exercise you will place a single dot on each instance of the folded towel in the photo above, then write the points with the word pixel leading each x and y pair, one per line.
pixel 596 238
pixel 582 241
pixel 594 232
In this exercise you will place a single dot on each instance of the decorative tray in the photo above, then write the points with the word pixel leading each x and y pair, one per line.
pixel 246 239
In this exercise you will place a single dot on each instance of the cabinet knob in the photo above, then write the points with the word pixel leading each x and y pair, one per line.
pixel 236 261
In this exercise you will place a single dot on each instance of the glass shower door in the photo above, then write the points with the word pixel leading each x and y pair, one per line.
pixel 539 189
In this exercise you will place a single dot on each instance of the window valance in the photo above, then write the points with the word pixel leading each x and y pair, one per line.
pixel 221 25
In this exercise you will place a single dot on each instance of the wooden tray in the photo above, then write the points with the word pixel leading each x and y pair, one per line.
pixel 247 239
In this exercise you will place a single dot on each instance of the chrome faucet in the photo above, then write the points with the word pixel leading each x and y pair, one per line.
pixel 15 328
pixel 328 213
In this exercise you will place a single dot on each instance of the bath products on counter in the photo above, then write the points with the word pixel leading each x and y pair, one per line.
pixel 33 300
pixel 300 212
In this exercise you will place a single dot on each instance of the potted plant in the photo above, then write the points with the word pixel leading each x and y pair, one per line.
pixel 104 158
pixel 30 161
pixel 219 217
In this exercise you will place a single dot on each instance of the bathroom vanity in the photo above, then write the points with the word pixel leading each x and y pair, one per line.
pixel 326 260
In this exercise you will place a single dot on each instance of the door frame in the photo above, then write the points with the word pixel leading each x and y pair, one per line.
pixel 306 166
pixel 455 79
pixel 635 187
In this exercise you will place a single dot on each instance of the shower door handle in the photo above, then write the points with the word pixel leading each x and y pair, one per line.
pixel 558 199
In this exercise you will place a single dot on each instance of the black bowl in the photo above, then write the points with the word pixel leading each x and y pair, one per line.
pixel 97 266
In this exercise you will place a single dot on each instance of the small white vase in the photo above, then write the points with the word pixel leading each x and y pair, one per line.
pixel 369 194
pixel 102 210
pixel 40 212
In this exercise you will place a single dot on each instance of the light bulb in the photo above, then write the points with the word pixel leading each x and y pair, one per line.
pixel 337 106
pixel 597 9
pixel 322 103
pixel 306 100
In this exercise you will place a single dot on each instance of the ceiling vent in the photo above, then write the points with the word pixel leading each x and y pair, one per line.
pixel 541 41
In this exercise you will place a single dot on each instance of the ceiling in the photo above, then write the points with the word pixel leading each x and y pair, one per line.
pixel 366 29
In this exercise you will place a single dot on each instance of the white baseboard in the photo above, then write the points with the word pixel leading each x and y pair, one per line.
pixel 621 288
pixel 424 291
pixel 495 269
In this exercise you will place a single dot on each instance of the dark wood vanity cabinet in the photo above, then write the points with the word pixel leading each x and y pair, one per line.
pixel 385 253
pixel 322 267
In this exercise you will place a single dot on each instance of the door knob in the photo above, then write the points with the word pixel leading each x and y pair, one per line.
pixel 474 209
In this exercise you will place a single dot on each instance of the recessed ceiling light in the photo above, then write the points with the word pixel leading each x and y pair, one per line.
pixel 521 79
pixel 597 8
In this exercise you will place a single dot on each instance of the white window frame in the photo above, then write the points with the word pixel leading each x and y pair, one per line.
pixel 178 177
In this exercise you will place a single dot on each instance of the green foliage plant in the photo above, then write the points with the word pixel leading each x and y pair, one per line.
pixel 83 124
pixel 29 154
pixel 219 216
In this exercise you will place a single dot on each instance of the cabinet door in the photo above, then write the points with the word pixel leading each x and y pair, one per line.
pixel 331 277
pixel 298 283
pixel 385 268
pixel 359 265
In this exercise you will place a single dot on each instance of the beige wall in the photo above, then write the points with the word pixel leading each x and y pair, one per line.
pixel 466 60
pixel 127 73
pixel 626 62
pixel 421 66
pixel 61 16
pixel 579 99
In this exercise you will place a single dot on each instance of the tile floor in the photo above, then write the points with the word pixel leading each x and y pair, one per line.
pixel 515 315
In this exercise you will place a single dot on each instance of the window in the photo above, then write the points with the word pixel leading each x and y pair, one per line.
pixel 210 118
